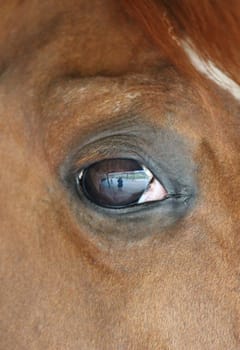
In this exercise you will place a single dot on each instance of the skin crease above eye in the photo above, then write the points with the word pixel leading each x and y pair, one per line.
pixel 79 81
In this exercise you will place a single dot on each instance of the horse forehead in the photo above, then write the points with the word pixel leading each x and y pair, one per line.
pixel 75 36
pixel 57 34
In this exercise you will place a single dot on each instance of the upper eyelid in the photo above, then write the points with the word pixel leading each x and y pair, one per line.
pixel 106 147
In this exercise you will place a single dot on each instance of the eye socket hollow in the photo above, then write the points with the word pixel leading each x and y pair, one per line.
pixel 119 182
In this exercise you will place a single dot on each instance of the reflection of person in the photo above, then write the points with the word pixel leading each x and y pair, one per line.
pixel 155 191
pixel 120 183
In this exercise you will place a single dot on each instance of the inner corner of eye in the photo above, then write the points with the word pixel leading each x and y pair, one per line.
pixel 120 182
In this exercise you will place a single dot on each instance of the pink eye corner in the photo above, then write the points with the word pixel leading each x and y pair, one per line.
pixel 154 192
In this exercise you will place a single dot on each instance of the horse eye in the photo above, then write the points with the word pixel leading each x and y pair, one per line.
pixel 117 183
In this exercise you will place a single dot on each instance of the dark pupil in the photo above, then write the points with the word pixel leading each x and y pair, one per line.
pixel 115 182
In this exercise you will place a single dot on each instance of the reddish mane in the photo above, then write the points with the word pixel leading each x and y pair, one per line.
pixel 205 23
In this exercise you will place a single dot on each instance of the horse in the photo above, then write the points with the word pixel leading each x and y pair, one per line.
pixel 93 92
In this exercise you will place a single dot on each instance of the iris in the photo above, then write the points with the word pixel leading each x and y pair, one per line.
pixel 120 182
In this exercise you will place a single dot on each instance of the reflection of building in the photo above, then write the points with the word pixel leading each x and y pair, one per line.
pixel 131 175
pixel 131 182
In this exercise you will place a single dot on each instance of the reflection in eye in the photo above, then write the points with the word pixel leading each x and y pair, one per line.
pixel 119 182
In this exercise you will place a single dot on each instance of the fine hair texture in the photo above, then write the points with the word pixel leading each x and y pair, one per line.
pixel 210 27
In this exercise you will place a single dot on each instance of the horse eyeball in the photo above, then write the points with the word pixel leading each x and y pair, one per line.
pixel 117 183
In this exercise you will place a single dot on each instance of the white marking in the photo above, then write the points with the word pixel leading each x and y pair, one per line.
pixel 133 95
pixel 209 69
